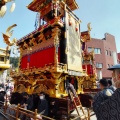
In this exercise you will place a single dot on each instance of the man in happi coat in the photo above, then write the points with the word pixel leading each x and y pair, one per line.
pixel 101 97
pixel 110 108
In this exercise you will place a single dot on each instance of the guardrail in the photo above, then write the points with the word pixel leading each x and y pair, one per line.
pixel 18 111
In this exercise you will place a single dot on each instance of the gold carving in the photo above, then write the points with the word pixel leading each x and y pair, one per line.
pixel 56 75
pixel 39 46
pixel 61 85
pixel 41 37
pixel 25 46
pixel 21 88
pixel 89 56
pixel 61 88
pixel 41 88
pixel 89 27
pixel 7 36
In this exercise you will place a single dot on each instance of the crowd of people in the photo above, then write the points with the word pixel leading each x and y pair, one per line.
pixel 26 101
pixel 6 90
pixel 106 103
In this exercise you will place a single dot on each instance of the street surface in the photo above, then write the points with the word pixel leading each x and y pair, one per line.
pixel 75 114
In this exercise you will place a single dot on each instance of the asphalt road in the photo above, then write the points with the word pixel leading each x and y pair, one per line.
pixel 75 114
pixel 2 117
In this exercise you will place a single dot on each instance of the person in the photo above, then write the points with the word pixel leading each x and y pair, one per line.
pixel 43 104
pixel 110 86
pixel 9 83
pixel 70 88
pixel 110 110
pixel 2 85
pixel 2 94
pixel 16 99
pixel 28 102
pixel 101 96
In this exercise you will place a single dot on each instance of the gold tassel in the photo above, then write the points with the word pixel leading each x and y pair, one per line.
pixel 12 7
pixel 3 10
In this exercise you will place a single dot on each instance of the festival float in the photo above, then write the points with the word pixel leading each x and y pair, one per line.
pixel 53 53
pixel 88 64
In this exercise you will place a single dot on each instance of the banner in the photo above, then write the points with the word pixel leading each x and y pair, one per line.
pixel 74 57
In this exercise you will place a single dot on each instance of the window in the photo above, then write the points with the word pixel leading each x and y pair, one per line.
pixel 99 65
pixel 107 52
pixel 97 50
pixel 110 53
pixel 2 59
pixel 108 65
pixel 89 49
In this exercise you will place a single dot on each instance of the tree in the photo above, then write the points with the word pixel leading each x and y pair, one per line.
pixel 14 61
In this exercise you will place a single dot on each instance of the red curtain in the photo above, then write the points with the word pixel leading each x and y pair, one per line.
pixel 89 69
pixel 23 62
pixel 38 59
pixel 84 67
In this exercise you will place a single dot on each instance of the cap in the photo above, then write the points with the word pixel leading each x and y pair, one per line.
pixel 117 66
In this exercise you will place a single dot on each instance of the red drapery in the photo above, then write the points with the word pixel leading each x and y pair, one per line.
pixel 39 59
pixel 89 69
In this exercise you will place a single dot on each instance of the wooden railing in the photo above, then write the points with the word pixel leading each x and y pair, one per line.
pixel 17 110
pixel 21 111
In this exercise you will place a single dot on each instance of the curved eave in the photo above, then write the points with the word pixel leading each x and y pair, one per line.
pixel 4 66
pixel 117 66
pixel 26 37
pixel 34 6
pixel 72 4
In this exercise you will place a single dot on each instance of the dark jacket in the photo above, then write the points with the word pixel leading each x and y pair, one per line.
pixel 43 106
pixel 110 109
pixel 29 103
pixel 99 99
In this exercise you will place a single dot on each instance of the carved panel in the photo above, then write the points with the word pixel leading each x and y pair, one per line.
pixel 20 88
pixel 61 88
pixel 41 88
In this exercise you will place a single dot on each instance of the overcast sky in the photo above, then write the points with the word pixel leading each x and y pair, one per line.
pixel 104 16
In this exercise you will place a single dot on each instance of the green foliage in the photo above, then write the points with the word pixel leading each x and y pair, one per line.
pixel 14 61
